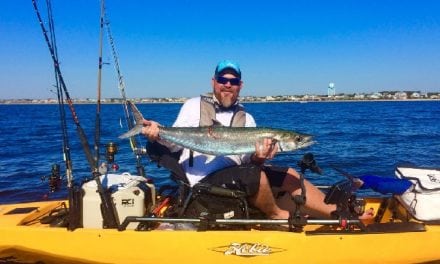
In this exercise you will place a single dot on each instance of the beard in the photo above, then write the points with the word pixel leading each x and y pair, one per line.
pixel 227 101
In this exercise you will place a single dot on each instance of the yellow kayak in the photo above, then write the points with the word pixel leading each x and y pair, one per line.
pixel 391 237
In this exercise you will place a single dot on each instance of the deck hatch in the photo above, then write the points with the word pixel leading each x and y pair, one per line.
pixel 21 210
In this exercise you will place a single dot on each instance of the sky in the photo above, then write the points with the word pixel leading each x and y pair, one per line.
pixel 170 48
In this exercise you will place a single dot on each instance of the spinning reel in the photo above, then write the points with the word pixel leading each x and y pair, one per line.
pixel 342 194
pixel 54 179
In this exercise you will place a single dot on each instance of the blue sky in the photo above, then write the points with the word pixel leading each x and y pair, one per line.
pixel 170 48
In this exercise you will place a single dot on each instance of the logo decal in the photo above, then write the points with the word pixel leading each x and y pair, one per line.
pixel 247 249
pixel 433 178
pixel 127 202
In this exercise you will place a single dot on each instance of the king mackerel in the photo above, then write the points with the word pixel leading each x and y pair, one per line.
pixel 220 140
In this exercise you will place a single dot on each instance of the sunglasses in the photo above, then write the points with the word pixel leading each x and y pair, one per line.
pixel 232 81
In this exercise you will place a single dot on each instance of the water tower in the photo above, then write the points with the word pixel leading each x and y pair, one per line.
pixel 331 90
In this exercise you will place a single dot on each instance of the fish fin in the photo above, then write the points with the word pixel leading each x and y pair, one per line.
pixel 216 123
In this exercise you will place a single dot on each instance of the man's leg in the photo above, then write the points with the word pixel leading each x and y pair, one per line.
pixel 257 186
pixel 254 182
pixel 265 201
pixel 314 205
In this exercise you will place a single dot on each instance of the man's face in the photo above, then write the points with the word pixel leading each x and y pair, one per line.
pixel 227 88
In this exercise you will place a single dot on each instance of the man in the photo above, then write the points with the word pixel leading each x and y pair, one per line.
pixel 246 172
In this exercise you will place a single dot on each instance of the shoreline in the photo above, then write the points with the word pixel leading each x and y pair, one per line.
pixel 19 102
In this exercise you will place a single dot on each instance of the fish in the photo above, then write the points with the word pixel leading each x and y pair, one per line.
pixel 220 140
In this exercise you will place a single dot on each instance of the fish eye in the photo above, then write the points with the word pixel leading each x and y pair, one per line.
pixel 298 138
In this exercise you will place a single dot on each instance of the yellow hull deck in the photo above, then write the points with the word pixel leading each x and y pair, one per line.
pixel 39 242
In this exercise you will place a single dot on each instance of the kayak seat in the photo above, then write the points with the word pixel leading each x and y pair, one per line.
pixel 203 200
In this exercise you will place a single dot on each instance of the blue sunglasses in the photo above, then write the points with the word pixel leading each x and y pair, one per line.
pixel 232 81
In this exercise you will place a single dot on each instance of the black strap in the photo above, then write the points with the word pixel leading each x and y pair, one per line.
pixel 166 159
pixel 191 158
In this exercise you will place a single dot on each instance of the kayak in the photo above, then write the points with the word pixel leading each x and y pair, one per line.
pixel 392 236
pixel 121 228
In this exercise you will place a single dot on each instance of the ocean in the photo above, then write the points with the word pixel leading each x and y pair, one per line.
pixel 357 137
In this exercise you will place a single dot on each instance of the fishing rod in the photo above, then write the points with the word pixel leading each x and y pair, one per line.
pixel 98 101
pixel 109 212
pixel 125 103
pixel 80 131
pixel 66 146
pixel 73 194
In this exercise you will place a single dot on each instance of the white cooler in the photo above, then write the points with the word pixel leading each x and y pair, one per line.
pixel 131 195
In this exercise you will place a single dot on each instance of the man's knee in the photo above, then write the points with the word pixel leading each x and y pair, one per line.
pixel 293 172
pixel 291 181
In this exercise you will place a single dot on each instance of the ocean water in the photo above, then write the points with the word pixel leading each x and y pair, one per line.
pixel 358 137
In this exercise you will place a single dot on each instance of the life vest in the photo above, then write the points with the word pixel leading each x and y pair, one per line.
pixel 208 110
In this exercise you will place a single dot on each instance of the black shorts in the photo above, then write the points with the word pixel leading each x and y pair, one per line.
pixel 246 177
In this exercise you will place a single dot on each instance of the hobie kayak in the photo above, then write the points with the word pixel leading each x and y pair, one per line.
pixel 29 233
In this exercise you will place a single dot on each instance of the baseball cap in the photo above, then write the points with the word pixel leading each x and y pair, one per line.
pixel 227 65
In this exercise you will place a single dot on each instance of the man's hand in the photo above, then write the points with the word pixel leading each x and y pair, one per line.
pixel 151 130
pixel 264 150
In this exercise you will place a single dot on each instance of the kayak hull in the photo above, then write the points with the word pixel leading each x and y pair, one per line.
pixel 23 237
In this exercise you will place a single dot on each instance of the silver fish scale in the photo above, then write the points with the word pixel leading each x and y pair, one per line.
pixel 223 140
pixel 217 140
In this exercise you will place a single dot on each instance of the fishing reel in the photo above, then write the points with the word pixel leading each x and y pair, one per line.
pixel 347 204
pixel 308 162
pixel 54 178
pixel 110 151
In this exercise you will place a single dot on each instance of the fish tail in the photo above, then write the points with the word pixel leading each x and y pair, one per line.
pixel 136 113
pixel 138 119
